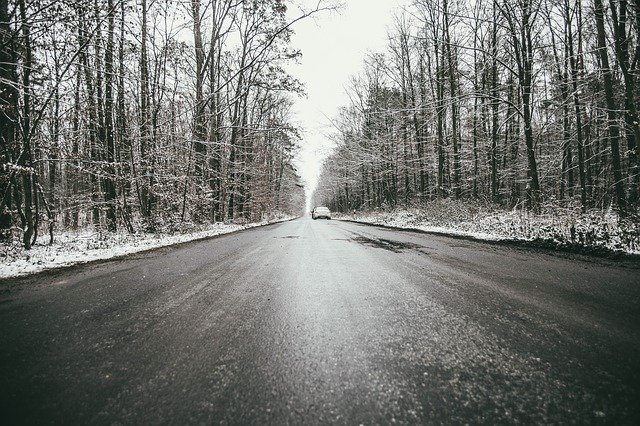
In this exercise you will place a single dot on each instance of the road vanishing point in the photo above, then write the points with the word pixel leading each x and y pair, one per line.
pixel 324 322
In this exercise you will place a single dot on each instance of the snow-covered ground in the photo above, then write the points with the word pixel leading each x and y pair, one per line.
pixel 71 248
pixel 556 226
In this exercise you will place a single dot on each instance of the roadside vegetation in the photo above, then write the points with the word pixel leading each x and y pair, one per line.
pixel 145 116
pixel 514 119
pixel 594 232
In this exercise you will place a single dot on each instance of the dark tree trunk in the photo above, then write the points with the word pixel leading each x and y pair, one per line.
pixel 145 191
pixel 199 125
pixel 26 159
pixel 629 73
pixel 526 77
pixel 573 64
pixel 453 88
pixel 614 130
pixel 8 116
pixel 111 176
pixel 495 196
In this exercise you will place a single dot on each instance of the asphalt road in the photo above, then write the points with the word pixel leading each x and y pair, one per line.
pixel 324 322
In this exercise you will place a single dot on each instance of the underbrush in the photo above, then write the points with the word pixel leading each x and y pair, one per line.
pixel 554 225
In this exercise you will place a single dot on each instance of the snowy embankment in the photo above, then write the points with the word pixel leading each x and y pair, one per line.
pixel 72 248
pixel 566 228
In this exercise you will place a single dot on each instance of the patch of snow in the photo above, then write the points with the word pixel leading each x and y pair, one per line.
pixel 71 248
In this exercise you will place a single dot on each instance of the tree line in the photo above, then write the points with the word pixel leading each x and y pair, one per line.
pixel 520 103
pixel 145 114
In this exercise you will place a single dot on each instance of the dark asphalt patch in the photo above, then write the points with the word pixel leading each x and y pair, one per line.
pixel 391 245
pixel 570 251
pixel 292 237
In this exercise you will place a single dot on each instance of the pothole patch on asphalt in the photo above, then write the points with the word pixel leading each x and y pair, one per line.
pixel 391 245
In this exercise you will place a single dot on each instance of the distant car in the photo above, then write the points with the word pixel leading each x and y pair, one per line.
pixel 321 212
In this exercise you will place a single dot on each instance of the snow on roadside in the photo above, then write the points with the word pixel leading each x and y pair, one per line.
pixel 566 227
pixel 71 248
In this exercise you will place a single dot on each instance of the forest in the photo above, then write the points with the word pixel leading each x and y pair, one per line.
pixel 519 104
pixel 144 115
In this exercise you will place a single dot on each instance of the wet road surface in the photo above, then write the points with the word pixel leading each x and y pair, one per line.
pixel 324 322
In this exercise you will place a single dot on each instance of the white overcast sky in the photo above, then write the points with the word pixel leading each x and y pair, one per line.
pixel 333 45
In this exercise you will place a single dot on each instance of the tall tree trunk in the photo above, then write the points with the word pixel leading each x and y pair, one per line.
pixel 74 175
pixel 440 111
pixel 91 108
pixel 145 189
pixel 453 88
pixel 8 116
pixel 573 64
pixel 629 73
pixel 55 130
pixel 111 175
pixel 614 129
pixel 236 138
pixel 420 131
pixel 494 107
pixel 199 125
pixel 215 138
pixel 526 78
pixel 566 178
pixel 124 146
pixel 99 147
pixel 26 156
